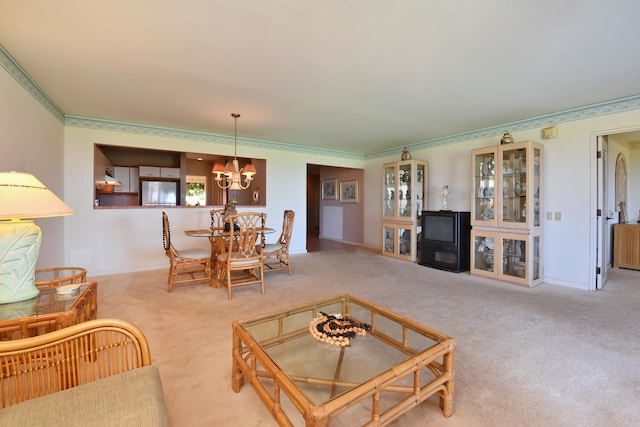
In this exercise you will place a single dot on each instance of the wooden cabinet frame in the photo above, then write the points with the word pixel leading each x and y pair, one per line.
pixel 506 210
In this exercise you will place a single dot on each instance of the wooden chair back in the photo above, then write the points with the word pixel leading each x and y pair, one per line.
pixel 185 266
pixel 246 235
pixel 287 228
pixel 216 218
pixel 242 263
pixel 276 255
pixel 166 234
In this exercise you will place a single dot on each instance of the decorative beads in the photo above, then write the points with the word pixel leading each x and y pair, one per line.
pixel 333 329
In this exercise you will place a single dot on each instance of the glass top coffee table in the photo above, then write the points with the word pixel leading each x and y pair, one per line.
pixel 373 380
pixel 49 311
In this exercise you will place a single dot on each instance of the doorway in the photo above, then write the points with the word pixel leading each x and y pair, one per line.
pixel 607 185
pixel 351 213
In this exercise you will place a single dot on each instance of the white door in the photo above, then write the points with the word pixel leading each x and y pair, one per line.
pixel 602 240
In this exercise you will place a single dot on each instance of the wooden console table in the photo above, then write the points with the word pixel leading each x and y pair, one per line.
pixel 626 246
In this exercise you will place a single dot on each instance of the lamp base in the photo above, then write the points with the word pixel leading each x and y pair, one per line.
pixel 19 249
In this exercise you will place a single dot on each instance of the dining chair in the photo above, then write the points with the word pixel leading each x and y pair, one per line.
pixel 217 241
pixel 187 265
pixel 241 264
pixel 216 218
pixel 276 255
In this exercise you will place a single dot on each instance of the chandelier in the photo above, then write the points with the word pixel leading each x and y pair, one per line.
pixel 230 175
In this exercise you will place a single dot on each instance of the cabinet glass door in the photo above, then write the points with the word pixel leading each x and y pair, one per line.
pixel 404 190
pixel 514 185
pixel 389 182
pixel 484 178
pixel 389 240
pixel 537 159
pixel 483 253
pixel 536 273
pixel 514 257
pixel 419 189
pixel 405 242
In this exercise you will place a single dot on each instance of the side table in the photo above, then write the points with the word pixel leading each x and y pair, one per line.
pixel 48 312
pixel 57 276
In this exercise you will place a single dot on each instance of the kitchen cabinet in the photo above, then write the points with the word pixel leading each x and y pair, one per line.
pixel 128 178
pixel 149 171
pixel 506 207
pixel 626 246
pixel 170 173
pixel 405 192
pixel 158 172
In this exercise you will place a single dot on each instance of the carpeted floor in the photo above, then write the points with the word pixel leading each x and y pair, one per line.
pixel 547 356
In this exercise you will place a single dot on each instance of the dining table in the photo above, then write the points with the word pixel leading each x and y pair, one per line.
pixel 214 232
pixel 217 238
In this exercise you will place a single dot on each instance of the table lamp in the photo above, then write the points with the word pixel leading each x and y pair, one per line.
pixel 22 197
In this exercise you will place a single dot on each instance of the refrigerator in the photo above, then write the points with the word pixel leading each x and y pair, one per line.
pixel 159 193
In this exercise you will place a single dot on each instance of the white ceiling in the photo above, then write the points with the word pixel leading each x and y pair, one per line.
pixel 357 76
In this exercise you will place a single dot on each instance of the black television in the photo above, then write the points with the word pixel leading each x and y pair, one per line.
pixel 439 226
pixel 445 240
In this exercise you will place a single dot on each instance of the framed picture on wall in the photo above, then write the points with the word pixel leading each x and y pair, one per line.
pixel 329 190
pixel 349 191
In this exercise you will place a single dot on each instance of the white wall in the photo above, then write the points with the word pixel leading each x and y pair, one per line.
pixel 107 241
pixel 569 188
pixel 32 141
pixel 121 240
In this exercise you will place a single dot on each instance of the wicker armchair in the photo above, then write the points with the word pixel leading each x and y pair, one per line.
pixel 69 357
pixel 96 373
pixel 241 263
pixel 185 266
pixel 276 255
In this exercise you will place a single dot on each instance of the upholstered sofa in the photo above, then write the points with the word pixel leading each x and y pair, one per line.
pixel 96 373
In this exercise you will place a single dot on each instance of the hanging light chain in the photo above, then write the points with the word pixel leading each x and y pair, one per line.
pixel 235 135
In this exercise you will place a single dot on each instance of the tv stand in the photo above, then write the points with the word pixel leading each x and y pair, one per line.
pixel 449 256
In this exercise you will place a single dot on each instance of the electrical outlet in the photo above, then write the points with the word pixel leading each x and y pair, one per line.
pixel 549 216
pixel 558 216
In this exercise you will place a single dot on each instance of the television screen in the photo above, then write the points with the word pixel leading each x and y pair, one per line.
pixel 441 228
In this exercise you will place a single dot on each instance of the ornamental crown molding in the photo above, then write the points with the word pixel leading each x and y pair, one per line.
pixel 610 107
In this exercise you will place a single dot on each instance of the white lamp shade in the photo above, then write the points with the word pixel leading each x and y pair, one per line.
pixel 23 196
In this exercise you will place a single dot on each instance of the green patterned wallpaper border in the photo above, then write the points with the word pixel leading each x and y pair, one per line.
pixel 600 109
pixel 86 122
pixel 15 70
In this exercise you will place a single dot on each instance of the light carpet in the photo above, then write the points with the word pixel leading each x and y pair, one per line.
pixel 547 356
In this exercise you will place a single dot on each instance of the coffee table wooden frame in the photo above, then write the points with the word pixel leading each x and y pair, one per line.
pixel 250 363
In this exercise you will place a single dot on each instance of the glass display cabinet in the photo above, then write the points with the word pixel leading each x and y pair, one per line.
pixel 404 186
pixel 506 205
pixel 513 257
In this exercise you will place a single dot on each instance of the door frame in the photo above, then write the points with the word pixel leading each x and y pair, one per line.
pixel 594 243
pixel 602 219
